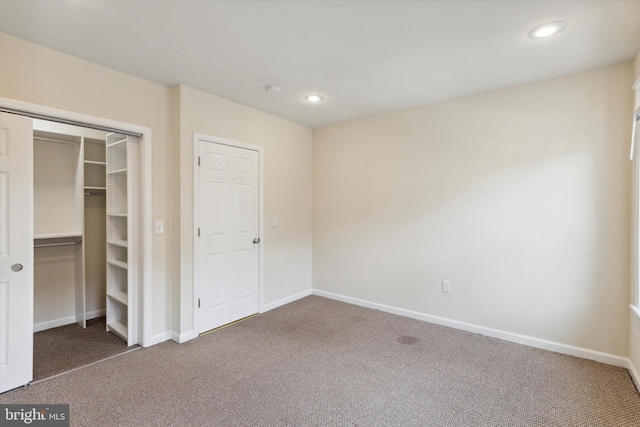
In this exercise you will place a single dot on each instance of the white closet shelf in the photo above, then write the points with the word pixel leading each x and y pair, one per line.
pixel 121 173
pixel 118 172
pixel 94 163
pixel 118 328
pixel 117 263
pixel 119 296
pixel 56 235
pixel 118 142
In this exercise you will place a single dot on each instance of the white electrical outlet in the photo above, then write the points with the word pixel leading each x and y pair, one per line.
pixel 446 286
pixel 295 268
pixel 274 221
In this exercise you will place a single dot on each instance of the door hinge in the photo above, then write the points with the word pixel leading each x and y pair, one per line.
pixel 198 231
pixel 198 302
pixel 198 160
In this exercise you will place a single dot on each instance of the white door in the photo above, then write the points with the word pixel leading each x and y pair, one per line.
pixel 228 216
pixel 16 251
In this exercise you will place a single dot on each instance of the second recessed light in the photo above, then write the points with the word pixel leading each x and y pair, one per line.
pixel 314 98
pixel 547 30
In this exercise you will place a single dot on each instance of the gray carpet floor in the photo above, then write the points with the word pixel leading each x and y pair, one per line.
pixel 318 362
pixel 68 347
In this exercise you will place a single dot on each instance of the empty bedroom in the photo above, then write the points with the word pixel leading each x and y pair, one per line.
pixel 319 213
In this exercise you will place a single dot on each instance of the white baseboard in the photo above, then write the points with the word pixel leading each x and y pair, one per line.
pixel 43 326
pixel 635 375
pixel 158 338
pixel 286 300
pixel 184 337
pixel 189 335
pixel 68 320
pixel 598 356
pixel 96 313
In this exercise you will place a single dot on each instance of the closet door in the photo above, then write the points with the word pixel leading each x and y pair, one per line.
pixel 16 251
pixel 122 280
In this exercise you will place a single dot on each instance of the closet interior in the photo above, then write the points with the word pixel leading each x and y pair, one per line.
pixel 84 228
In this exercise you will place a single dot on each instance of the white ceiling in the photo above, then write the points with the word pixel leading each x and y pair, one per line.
pixel 365 57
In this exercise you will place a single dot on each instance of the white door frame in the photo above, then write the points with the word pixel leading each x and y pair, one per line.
pixel 145 141
pixel 635 264
pixel 197 137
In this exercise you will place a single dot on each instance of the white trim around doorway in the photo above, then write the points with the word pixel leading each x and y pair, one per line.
pixel 145 142
pixel 197 137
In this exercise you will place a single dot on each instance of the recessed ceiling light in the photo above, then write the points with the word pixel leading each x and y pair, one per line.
pixel 314 98
pixel 546 30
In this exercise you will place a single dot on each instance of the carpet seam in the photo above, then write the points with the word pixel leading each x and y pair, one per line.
pixel 83 366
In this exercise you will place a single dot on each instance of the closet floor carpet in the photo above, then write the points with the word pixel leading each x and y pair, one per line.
pixel 68 347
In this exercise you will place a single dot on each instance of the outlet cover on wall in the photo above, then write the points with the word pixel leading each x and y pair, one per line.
pixel 295 268
pixel 446 286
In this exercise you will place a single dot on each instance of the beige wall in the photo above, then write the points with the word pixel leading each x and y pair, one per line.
pixel 38 75
pixel 520 197
pixel 287 191
pixel 35 74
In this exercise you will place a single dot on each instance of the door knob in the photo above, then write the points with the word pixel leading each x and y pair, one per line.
pixel 16 267
pixel 256 240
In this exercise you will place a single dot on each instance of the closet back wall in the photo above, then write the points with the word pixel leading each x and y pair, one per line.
pixel 55 165
pixel 95 229
pixel 64 273
pixel 95 246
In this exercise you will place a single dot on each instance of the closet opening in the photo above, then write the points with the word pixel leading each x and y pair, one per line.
pixel 85 246
pixel 79 172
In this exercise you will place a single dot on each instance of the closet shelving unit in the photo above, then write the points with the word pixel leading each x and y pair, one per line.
pixel 121 219
pixel 85 198
pixel 94 166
